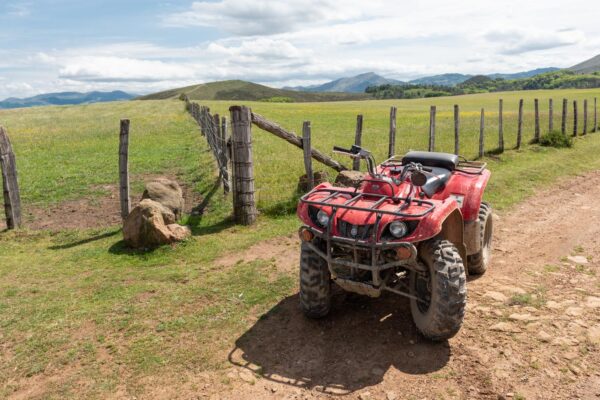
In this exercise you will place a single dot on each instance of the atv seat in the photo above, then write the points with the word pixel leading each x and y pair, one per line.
pixel 431 159
pixel 436 180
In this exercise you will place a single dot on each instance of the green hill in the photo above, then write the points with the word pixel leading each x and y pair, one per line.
pixel 248 91
pixel 588 66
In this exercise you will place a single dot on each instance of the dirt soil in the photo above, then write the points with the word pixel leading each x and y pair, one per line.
pixel 532 328
pixel 98 211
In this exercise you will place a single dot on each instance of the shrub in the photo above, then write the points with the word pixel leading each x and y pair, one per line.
pixel 556 139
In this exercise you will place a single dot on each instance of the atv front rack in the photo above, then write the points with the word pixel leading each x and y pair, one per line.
pixel 375 208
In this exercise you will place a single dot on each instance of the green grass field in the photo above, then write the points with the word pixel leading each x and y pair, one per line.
pixel 77 306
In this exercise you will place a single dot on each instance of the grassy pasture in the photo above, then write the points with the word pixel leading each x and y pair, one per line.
pixel 82 316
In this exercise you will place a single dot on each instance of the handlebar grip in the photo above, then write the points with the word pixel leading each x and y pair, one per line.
pixel 337 148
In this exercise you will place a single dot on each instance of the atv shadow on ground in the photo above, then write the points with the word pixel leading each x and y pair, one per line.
pixel 350 349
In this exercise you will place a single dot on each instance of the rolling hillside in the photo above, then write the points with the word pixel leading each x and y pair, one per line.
pixel 242 90
pixel 588 66
pixel 353 84
pixel 65 98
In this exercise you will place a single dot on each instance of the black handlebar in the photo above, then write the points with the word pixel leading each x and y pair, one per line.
pixel 341 149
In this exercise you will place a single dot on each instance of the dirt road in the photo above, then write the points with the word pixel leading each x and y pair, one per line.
pixel 532 328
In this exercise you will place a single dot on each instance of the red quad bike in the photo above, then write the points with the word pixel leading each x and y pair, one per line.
pixel 415 227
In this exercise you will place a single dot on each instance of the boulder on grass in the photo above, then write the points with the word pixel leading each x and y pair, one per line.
pixel 319 177
pixel 151 224
pixel 166 192
pixel 350 179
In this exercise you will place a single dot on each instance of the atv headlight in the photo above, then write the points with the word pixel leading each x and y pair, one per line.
pixel 323 218
pixel 398 229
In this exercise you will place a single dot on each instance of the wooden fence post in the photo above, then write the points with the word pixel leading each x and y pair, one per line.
pixel 563 123
pixel 585 116
pixel 595 115
pixel 225 155
pixel 550 115
pixel 244 204
pixel 124 168
pixel 358 140
pixel 10 183
pixel 500 127
pixel 306 147
pixel 574 117
pixel 392 146
pixel 481 133
pixel 536 136
pixel 456 129
pixel 432 112
pixel 520 125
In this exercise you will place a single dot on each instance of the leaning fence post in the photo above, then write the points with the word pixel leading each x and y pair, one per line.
pixel 306 148
pixel 456 129
pixel 536 135
pixel 574 117
pixel 358 140
pixel 224 155
pixel 500 127
pixel 585 116
pixel 10 184
pixel 432 111
pixel 244 204
pixel 481 133
pixel 563 123
pixel 520 125
pixel 550 115
pixel 124 168
pixel 392 146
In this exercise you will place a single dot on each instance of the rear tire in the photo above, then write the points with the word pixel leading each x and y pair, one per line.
pixel 443 289
pixel 315 284
pixel 478 263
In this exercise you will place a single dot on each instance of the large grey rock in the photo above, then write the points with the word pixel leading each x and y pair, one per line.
pixel 350 178
pixel 166 192
pixel 151 224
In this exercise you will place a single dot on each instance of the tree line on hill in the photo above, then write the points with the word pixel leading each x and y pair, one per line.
pixel 562 79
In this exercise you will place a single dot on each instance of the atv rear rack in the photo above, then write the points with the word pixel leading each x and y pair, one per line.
pixel 464 165
pixel 381 199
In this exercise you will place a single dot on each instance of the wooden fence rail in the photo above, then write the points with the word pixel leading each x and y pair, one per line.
pixel 10 183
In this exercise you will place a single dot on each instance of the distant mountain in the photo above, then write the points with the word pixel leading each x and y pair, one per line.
pixel 242 90
pixel 588 66
pixel 455 79
pixel 65 98
pixel 353 84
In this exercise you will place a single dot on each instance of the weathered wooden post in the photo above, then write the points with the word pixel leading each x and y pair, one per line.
pixel 124 169
pixel 574 117
pixel 563 123
pixel 595 115
pixel 432 112
pixel 520 125
pixel 358 141
pixel 392 146
pixel 244 204
pixel 225 156
pixel 585 116
pixel 306 147
pixel 481 133
pixel 10 183
pixel 536 135
pixel 550 115
pixel 456 129
pixel 500 127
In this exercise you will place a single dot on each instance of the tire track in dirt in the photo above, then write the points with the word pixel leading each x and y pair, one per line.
pixel 532 327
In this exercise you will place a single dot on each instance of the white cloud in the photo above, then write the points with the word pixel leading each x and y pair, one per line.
pixel 519 41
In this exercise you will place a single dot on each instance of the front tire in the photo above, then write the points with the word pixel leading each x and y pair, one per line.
pixel 315 284
pixel 478 262
pixel 441 290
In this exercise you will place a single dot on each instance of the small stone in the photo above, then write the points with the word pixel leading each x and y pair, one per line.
pixel 544 337
pixel 391 396
pixel 247 376
pixel 574 369
pixel 553 305
pixel 410 354
pixel 571 355
pixel 364 396
pixel 522 317
pixel 496 296
pixel 574 311
pixel 592 302
pixel 506 327
pixel 578 259
pixel 593 335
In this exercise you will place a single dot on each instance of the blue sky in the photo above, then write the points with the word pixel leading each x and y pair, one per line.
pixel 144 46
